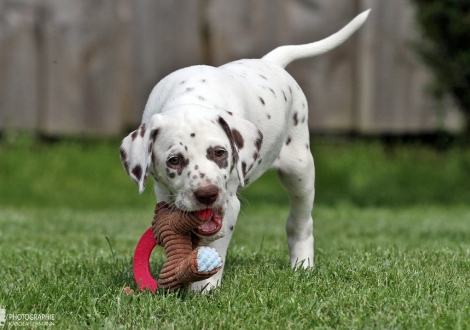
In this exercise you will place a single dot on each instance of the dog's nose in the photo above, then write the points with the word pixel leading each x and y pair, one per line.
pixel 207 195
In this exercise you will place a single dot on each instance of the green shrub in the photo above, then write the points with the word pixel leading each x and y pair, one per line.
pixel 445 48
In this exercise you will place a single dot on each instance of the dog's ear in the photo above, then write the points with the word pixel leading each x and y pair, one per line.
pixel 136 150
pixel 245 140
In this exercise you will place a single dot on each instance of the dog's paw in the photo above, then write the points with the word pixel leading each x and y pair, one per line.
pixel 208 259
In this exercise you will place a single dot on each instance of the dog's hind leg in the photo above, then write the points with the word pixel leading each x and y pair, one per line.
pixel 296 171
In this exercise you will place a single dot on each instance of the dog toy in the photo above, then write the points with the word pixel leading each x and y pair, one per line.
pixel 185 263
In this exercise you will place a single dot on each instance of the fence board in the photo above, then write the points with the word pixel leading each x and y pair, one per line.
pixel 245 28
pixel 18 65
pixel 78 67
pixel 166 37
pixel 327 80
pixel 392 80
pixel 85 63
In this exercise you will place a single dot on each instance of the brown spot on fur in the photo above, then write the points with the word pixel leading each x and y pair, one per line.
pixel 179 168
pixel 262 101
pixel 137 171
pixel 170 174
pixel 142 130
pixel 230 113
pixel 134 135
pixel 259 140
pixel 288 141
pixel 244 168
pixel 154 134
pixel 269 116
pixel 123 154
pixel 222 162
pixel 285 97
pixel 202 175
pixel 223 124
pixel 296 119
pixel 237 138
pixel 193 134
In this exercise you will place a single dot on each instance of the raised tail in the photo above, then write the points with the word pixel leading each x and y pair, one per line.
pixel 286 54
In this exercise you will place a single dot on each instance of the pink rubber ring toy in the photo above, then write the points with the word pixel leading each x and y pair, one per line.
pixel 143 250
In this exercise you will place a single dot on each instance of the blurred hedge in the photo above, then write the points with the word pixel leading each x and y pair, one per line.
pixel 445 48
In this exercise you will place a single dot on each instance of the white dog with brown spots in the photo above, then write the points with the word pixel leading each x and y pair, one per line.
pixel 208 132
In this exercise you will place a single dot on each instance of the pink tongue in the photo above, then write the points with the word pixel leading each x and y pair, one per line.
pixel 206 215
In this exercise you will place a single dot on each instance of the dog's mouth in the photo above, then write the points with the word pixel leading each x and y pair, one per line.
pixel 214 223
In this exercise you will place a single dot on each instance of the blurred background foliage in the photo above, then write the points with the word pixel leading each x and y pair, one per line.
pixel 87 174
pixel 445 48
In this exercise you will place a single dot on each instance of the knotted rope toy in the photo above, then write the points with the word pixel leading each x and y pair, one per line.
pixel 185 262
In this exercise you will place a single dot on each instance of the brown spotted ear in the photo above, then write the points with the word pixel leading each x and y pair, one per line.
pixel 136 151
pixel 246 141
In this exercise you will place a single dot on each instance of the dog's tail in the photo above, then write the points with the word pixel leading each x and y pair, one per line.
pixel 286 54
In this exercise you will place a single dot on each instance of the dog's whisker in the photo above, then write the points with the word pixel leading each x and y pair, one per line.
pixel 243 199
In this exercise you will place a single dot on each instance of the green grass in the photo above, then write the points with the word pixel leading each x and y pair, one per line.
pixel 392 243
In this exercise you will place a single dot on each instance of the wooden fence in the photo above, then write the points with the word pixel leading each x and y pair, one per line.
pixel 87 67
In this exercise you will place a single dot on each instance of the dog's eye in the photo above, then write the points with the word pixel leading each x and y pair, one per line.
pixel 174 161
pixel 219 152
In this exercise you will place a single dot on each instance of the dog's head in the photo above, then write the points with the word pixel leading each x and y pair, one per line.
pixel 198 154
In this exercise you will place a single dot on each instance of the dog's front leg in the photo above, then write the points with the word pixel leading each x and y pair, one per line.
pixel 221 244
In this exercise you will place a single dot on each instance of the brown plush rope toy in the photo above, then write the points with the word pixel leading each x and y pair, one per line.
pixel 172 229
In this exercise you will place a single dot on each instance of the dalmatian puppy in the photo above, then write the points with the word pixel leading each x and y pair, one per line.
pixel 207 133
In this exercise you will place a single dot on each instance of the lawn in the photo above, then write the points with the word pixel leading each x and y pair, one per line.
pixel 392 243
